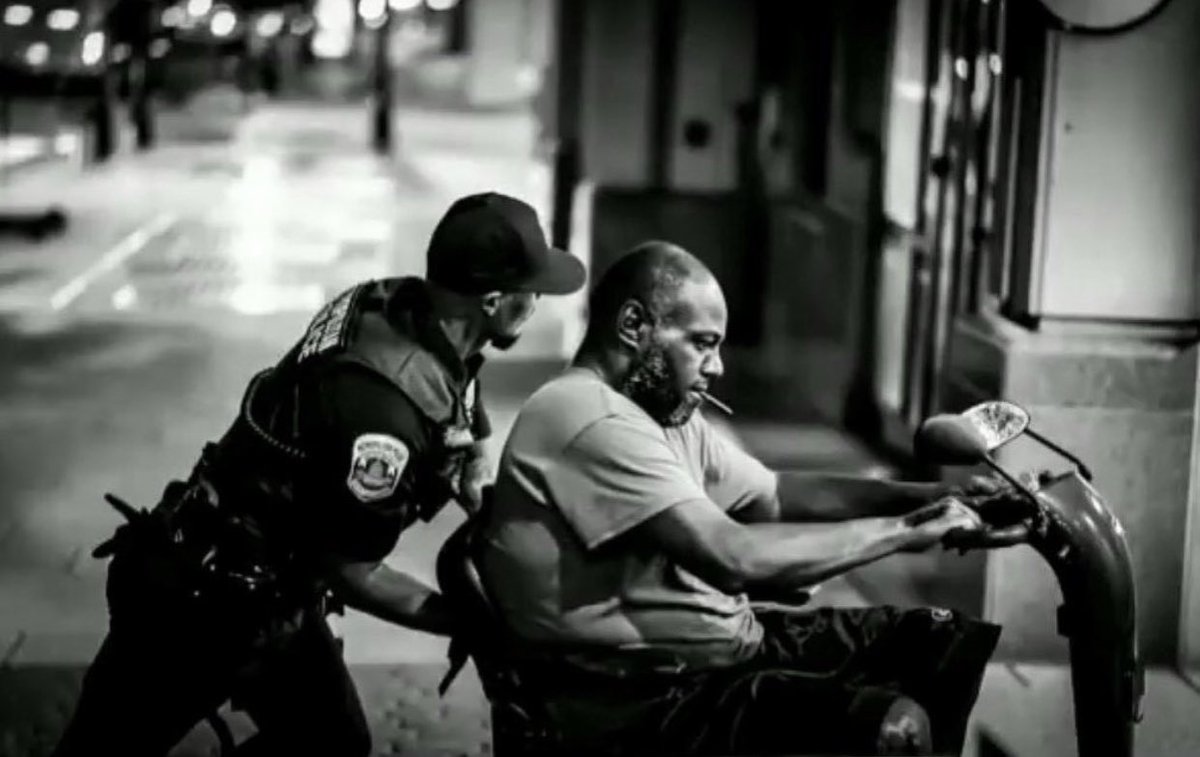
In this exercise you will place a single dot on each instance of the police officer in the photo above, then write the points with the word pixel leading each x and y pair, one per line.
pixel 371 421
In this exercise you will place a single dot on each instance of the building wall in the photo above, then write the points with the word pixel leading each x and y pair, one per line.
pixel 1123 405
pixel 819 249
pixel 715 65
pixel 1115 245
pixel 635 103
pixel 1122 183
pixel 615 101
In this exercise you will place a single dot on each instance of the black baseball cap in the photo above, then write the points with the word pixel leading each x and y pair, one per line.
pixel 492 242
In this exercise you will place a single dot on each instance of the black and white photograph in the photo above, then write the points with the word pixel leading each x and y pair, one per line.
pixel 599 378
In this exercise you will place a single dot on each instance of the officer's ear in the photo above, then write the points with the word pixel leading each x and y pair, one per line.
pixel 490 302
pixel 633 321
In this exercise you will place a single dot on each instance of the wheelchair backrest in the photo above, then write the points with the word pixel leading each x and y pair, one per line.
pixel 459 576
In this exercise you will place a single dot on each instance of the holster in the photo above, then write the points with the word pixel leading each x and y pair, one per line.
pixel 193 545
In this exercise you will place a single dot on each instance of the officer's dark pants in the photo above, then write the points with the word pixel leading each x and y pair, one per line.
pixel 821 684
pixel 170 659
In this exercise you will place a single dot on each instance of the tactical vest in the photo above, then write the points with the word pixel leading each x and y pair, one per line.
pixel 375 326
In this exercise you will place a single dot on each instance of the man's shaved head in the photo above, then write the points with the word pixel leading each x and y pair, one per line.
pixel 656 325
pixel 651 273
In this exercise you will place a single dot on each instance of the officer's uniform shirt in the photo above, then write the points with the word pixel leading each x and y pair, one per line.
pixel 383 412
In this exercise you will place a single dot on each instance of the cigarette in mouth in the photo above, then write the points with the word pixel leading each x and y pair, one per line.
pixel 718 404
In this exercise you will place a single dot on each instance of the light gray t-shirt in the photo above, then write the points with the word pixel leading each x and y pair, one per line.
pixel 583 465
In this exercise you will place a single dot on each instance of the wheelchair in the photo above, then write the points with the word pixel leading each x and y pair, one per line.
pixel 521 722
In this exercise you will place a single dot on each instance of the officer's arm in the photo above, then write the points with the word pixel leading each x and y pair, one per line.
pixel 378 590
pixel 372 441
pixel 736 556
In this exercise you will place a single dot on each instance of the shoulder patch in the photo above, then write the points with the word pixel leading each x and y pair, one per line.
pixel 330 327
pixel 376 465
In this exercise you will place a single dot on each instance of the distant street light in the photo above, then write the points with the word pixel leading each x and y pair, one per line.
pixel 199 7
pixel 301 25
pixel 62 19
pixel 37 54
pixel 93 48
pixel 441 5
pixel 372 10
pixel 17 15
pixel 159 48
pixel 223 22
pixel 269 24
pixel 173 16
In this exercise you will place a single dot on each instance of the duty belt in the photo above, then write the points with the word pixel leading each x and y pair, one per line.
pixel 225 554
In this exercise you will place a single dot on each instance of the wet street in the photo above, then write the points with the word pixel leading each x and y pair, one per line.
pixel 126 342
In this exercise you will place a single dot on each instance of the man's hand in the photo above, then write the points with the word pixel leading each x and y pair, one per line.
pixel 997 501
pixel 981 486
pixel 928 526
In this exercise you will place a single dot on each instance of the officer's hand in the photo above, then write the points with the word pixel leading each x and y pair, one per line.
pixel 475 475
pixel 927 526
pixel 470 495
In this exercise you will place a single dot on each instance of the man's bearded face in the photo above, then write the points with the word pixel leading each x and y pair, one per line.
pixel 655 384
pixel 680 355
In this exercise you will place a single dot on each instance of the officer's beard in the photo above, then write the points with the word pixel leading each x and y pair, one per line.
pixel 653 384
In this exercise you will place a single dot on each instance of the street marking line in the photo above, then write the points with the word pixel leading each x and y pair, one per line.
pixel 121 251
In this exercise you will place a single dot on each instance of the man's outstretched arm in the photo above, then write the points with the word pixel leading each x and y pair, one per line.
pixel 804 496
pixel 752 493
pixel 378 590
pixel 815 497
pixel 736 556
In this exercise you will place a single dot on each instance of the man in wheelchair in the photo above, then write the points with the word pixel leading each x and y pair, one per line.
pixel 607 587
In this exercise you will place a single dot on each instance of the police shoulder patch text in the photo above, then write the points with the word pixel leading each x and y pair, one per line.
pixel 328 326
pixel 376 465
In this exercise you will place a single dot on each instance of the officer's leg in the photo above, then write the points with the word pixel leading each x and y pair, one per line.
pixel 165 663
pixel 140 696
pixel 302 699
